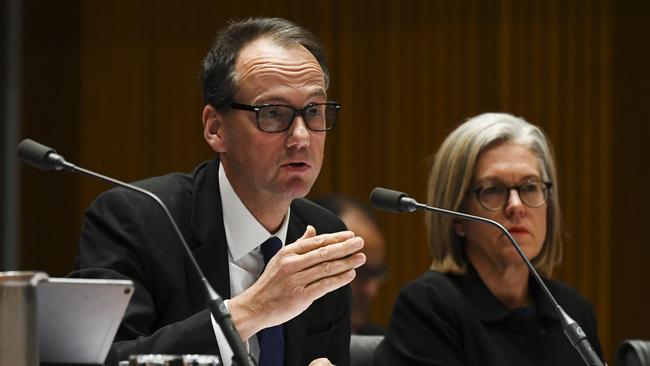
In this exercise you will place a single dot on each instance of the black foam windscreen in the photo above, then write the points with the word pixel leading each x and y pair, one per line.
pixel 387 199
pixel 35 154
pixel 633 352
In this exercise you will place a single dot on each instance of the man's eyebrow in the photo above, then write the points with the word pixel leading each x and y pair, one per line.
pixel 283 100
pixel 318 93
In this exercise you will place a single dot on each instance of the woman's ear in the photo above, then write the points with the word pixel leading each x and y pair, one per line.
pixel 213 132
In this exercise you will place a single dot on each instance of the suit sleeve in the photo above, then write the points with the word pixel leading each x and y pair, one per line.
pixel 116 243
pixel 339 349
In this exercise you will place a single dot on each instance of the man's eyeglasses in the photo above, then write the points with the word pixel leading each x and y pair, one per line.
pixel 279 117
pixel 494 197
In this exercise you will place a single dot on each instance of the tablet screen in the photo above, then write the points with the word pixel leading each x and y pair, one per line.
pixel 78 318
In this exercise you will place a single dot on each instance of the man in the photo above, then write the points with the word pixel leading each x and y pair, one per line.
pixel 266 114
pixel 365 286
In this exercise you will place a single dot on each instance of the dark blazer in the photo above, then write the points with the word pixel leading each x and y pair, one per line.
pixel 126 235
pixel 455 320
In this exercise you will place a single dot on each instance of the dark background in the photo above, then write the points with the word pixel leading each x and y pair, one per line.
pixel 114 87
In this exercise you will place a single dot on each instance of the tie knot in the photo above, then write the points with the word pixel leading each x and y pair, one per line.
pixel 270 247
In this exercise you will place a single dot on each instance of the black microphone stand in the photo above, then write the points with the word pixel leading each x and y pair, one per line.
pixel 46 158
pixel 571 328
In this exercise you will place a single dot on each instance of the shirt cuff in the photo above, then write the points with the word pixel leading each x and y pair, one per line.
pixel 224 348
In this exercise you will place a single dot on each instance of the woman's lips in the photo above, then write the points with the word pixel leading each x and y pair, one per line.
pixel 518 231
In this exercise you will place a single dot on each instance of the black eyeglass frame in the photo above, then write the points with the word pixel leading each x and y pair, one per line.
pixel 518 187
pixel 296 112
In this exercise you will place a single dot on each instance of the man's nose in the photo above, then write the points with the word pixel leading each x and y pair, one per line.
pixel 299 134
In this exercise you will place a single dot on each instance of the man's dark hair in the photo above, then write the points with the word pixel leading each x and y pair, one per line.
pixel 218 74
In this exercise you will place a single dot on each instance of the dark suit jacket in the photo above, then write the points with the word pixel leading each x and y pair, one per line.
pixel 126 235
pixel 455 320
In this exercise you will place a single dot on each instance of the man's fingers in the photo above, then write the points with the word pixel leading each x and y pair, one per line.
pixel 321 362
pixel 331 268
pixel 317 289
pixel 310 232
pixel 308 244
pixel 330 252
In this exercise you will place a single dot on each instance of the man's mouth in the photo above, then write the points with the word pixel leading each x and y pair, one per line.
pixel 297 166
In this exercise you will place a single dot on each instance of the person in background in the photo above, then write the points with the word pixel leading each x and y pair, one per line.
pixel 478 304
pixel 282 262
pixel 359 218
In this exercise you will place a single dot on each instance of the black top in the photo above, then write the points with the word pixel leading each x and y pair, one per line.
pixel 445 319
pixel 127 235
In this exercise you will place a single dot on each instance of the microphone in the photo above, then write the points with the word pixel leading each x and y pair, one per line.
pixel 394 201
pixel 41 156
pixel 46 158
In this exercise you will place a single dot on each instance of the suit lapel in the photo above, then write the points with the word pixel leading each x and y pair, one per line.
pixel 209 244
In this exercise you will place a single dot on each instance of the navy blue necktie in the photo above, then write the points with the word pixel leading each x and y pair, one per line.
pixel 271 339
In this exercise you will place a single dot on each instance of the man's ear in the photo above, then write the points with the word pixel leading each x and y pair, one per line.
pixel 213 131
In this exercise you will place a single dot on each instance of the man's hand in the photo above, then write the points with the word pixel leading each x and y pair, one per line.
pixel 321 362
pixel 297 275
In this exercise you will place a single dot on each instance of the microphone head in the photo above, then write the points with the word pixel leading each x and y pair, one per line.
pixel 35 154
pixel 388 199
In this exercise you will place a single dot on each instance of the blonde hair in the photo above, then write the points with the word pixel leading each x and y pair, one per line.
pixel 451 175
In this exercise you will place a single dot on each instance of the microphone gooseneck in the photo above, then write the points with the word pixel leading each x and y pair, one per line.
pixel 394 201
pixel 46 158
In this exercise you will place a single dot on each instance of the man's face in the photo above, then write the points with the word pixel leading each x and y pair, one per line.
pixel 271 168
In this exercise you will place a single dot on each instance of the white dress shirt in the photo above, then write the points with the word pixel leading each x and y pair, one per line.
pixel 244 235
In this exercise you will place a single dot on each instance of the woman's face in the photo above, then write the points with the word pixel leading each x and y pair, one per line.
pixel 508 165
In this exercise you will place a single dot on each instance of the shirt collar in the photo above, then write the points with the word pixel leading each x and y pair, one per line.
pixel 488 307
pixel 243 232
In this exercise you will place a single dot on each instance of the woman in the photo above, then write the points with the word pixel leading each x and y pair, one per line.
pixel 478 305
